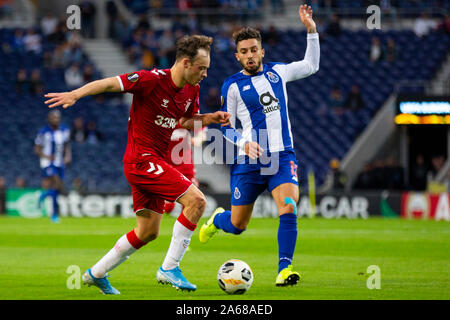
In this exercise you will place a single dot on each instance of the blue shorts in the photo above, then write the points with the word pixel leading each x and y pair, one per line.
pixel 52 170
pixel 246 187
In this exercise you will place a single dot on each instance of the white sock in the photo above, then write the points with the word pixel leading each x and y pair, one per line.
pixel 181 237
pixel 121 252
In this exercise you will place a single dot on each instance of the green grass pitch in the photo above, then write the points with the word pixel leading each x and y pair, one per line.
pixel 332 256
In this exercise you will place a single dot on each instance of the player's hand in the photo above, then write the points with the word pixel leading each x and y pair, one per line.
pixel 305 12
pixel 253 149
pixel 64 99
pixel 221 117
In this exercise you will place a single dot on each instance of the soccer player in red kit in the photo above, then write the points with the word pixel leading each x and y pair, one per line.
pixel 161 99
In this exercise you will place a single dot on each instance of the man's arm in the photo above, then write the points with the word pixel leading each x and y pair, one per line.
pixel 67 99
pixel 39 151
pixel 206 119
pixel 310 63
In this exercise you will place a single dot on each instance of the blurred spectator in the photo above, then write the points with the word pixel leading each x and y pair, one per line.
pixel 166 42
pixel 335 179
pixel 60 57
pixel 334 27
pixel 112 13
pixel 222 41
pixel 143 23
pixel 21 183
pixel 394 174
pixel 167 46
pixel 315 5
pixel 93 135
pixel 88 11
pixel 277 6
pixel 17 41
pixel 60 35
pixel 444 25
pixel 192 23
pixel 88 73
pixel 6 8
pixel 33 41
pixel 376 53
pixel 78 187
pixel 36 83
pixel 271 36
pixel 419 172
pixel 149 40
pixel 388 9
pixel 22 84
pixel 121 28
pixel 49 23
pixel 437 162
pixel 78 133
pixel 391 52
pixel 212 100
pixel 148 60
pixel 73 76
pixel 423 25
pixel 336 101
pixel 2 195
pixel 354 100
pixel 364 179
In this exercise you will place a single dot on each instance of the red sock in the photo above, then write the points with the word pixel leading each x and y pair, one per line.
pixel 185 222
pixel 134 240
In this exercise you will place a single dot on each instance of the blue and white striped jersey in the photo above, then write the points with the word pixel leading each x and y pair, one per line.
pixel 52 142
pixel 260 101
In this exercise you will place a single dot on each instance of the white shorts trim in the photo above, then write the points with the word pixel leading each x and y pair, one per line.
pixel 138 210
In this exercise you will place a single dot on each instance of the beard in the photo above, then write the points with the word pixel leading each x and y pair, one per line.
pixel 253 69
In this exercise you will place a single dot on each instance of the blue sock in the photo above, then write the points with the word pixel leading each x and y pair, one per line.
pixel 223 222
pixel 43 195
pixel 287 237
pixel 54 195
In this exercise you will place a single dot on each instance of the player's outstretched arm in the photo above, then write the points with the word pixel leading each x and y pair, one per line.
pixel 67 99
pixel 206 119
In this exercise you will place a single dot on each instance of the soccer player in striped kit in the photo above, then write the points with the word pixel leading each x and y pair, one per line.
pixel 52 145
pixel 266 159
pixel 161 99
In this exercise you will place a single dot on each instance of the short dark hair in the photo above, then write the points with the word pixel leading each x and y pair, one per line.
pixel 188 46
pixel 245 34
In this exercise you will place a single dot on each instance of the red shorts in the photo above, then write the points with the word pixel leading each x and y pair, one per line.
pixel 154 181
pixel 188 170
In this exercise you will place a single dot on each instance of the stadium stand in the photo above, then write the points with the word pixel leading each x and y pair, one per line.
pixel 320 133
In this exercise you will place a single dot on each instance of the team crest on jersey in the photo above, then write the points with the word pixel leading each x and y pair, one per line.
pixel 237 193
pixel 272 77
pixel 133 77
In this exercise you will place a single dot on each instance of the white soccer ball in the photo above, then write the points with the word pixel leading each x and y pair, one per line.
pixel 235 277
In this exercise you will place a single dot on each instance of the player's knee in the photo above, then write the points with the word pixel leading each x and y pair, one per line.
pixel 147 235
pixel 199 202
pixel 287 208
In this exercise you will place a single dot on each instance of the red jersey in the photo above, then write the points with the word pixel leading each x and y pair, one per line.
pixel 158 104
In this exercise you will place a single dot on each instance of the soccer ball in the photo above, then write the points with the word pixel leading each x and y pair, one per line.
pixel 235 277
